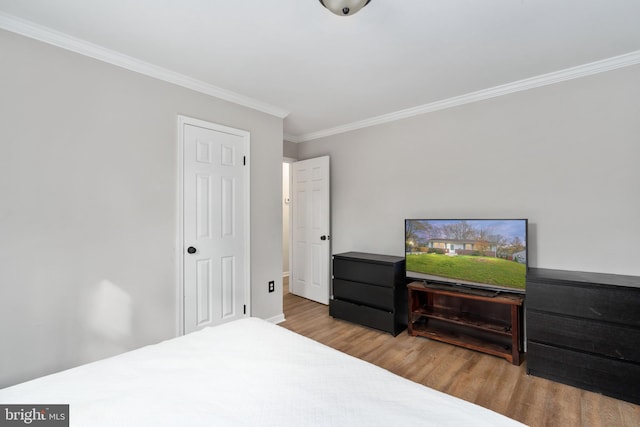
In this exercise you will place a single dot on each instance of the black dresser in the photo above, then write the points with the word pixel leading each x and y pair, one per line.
pixel 370 289
pixel 583 329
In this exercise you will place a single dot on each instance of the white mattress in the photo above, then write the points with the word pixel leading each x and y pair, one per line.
pixel 245 373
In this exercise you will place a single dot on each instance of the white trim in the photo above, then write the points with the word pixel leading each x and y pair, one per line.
pixel 182 121
pixel 632 58
pixel 292 138
pixel 276 319
pixel 180 229
pixel 73 44
pixel 290 161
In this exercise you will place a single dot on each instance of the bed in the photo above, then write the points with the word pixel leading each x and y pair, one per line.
pixel 244 373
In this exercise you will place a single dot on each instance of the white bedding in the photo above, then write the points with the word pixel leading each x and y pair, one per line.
pixel 245 373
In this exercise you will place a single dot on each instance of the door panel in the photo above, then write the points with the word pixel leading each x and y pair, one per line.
pixel 228 286
pixel 203 285
pixel 311 255
pixel 203 206
pixel 215 224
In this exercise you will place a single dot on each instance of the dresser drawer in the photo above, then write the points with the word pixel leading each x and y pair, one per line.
pixel 364 272
pixel 607 339
pixel 612 377
pixel 610 303
pixel 361 293
pixel 366 316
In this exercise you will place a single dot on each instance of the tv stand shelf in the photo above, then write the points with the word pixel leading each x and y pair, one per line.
pixel 465 319
pixel 486 322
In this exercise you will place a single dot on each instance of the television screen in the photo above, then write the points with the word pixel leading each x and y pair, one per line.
pixel 477 253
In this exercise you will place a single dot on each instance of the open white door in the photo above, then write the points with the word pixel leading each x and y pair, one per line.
pixel 215 206
pixel 310 232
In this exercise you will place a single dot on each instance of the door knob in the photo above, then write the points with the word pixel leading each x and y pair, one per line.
pixel 325 237
pixel 191 250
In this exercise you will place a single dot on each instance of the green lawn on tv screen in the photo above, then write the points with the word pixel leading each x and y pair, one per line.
pixel 479 269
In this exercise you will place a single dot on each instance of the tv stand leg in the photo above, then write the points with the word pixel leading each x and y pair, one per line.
pixel 515 334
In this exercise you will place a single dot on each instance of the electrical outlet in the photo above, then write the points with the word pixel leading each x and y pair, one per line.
pixel 272 286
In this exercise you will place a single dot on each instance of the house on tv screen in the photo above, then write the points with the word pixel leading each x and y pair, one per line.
pixel 473 247
pixel 465 247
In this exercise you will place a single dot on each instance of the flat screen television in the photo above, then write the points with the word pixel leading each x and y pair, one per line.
pixel 473 253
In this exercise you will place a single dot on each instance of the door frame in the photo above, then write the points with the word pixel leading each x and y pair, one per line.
pixel 290 161
pixel 246 214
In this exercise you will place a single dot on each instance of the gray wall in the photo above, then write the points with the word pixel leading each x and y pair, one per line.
pixel 88 207
pixel 566 156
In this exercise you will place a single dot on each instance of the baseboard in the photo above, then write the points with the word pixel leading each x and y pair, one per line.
pixel 276 319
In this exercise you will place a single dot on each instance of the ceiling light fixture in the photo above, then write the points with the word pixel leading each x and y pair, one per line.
pixel 344 7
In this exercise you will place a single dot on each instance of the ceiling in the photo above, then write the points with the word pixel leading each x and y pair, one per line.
pixel 328 74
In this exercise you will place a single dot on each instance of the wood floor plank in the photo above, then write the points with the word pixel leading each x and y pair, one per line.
pixel 486 380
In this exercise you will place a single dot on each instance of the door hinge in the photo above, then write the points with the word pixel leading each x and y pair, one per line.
pixel 244 160
pixel 244 309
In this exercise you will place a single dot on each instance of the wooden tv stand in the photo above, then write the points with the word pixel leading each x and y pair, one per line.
pixel 486 321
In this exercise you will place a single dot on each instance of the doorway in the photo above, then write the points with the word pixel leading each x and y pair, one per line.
pixel 286 222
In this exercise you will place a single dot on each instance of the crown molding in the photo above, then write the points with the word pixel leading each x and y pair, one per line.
pixel 65 41
pixel 632 58
pixel 289 137
pixel 73 44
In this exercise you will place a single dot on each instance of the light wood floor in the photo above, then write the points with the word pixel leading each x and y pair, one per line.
pixel 486 380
